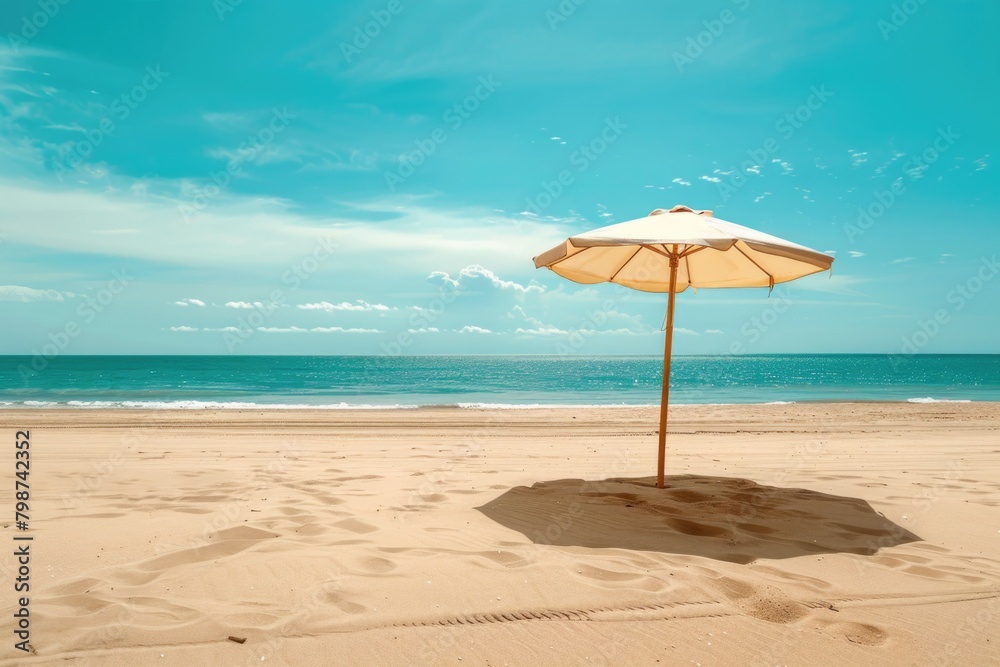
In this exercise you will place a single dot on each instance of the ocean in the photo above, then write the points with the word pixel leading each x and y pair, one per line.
pixel 471 381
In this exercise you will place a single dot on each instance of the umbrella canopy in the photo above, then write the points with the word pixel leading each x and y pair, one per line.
pixel 669 251
pixel 713 253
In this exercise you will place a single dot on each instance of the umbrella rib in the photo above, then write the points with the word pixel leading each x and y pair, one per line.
pixel 687 263
pixel 691 252
pixel 766 272
pixel 612 278
pixel 657 250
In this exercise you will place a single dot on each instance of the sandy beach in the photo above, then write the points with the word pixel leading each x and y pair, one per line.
pixel 863 534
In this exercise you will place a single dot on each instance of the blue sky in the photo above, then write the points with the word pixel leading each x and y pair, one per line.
pixel 309 178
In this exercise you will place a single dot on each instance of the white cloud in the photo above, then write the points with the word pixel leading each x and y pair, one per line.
pixel 981 163
pixel 474 329
pixel 24 294
pixel 183 329
pixel 761 196
pixel 855 253
pixel 423 330
pixel 711 179
pixel 689 332
pixel 680 181
pixel 895 156
pixel 317 330
pixel 244 305
pixel 359 306
pixel 543 331
pixel 273 234
pixel 858 158
pixel 475 272
pixel 903 260
pixel 190 302
pixel 786 167
pixel 714 331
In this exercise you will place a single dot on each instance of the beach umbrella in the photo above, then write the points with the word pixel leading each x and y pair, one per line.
pixel 669 251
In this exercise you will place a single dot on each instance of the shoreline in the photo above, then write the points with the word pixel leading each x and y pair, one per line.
pixel 240 406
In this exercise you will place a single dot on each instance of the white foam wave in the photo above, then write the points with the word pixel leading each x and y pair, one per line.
pixel 928 399
pixel 206 405
pixel 542 406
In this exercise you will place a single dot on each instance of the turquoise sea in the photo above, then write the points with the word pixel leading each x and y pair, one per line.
pixel 516 381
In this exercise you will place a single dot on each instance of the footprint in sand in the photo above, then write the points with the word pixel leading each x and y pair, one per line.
pixel 356 526
pixel 375 565
pixel 344 605
pixel 765 603
pixel 695 528
pixel 857 633
pixel 505 558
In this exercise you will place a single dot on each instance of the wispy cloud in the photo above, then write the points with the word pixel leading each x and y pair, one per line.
pixel 786 167
pixel 468 277
pixel 352 330
pixel 22 293
pixel 681 181
pixel 855 253
pixel 474 330
pixel 358 306
pixel 903 260
pixel 279 330
pixel 246 305
pixel 190 302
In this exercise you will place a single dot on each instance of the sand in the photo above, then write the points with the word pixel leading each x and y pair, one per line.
pixel 862 534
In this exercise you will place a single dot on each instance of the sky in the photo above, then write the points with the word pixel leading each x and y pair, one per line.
pixel 228 177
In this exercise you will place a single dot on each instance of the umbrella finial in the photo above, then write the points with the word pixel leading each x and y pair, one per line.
pixel 680 208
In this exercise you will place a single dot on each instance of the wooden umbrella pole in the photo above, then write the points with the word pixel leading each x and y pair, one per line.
pixel 665 395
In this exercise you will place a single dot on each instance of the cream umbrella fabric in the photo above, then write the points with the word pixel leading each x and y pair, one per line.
pixel 669 251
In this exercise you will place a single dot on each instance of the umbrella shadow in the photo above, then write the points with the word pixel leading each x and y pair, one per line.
pixel 725 518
